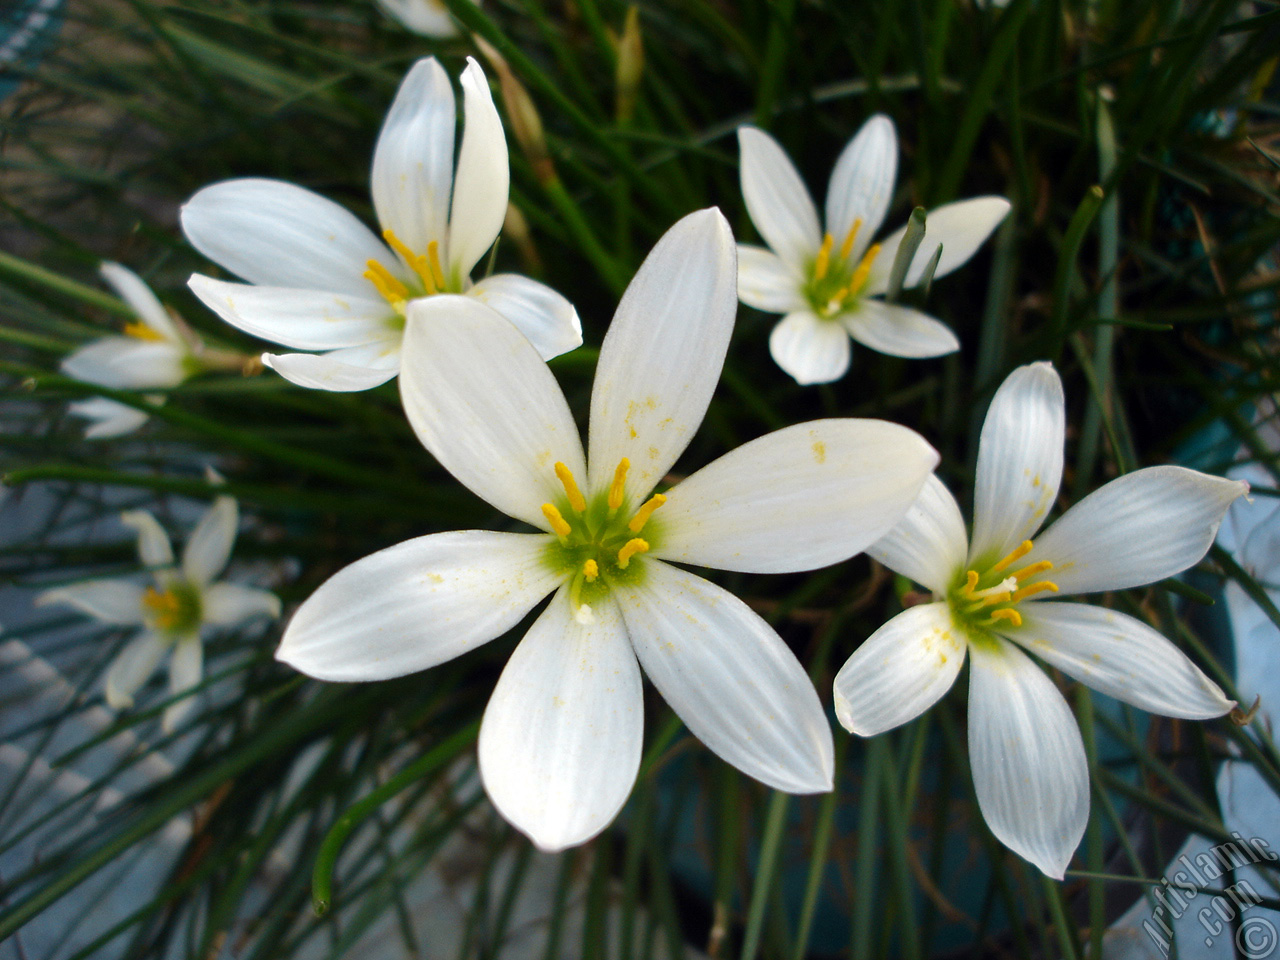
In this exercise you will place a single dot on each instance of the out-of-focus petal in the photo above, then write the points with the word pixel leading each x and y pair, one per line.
pixel 929 544
pixel 111 601
pixel 766 282
pixel 776 197
pixel 662 356
pixel 126 363
pixel 900 671
pixel 417 604
pixel 540 313
pixel 799 498
pixel 1029 767
pixel 186 669
pixel 154 549
pixel 134 291
pixel 862 184
pixel 209 546
pixel 809 348
pixel 301 319
pixel 730 678
pixel 230 604
pixel 108 418
pixel 899 331
pixel 959 227
pixel 487 407
pixel 483 179
pixel 561 738
pixel 132 667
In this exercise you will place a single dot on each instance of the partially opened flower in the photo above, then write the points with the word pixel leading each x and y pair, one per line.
pixel 1029 766
pixel 320 280
pixel 560 741
pixel 185 603
pixel 428 18
pixel 827 282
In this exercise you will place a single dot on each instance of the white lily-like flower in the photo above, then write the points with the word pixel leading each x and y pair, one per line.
pixel 152 353
pixel 1029 766
pixel 427 18
pixel 320 280
pixel 827 283
pixel 185 603
pixel 561 739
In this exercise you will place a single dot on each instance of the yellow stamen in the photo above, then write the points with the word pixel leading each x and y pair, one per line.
pixel 645 512
pixel 992 599
pixel 1035 588
pixel 164 606
pixel 629 550
pixel 1013 616
pixel 847 247
pixel 557 521
pixel 619 484
pixel 821 265
pixel 970 584
pixel 433 254
pixel 415 260
pixel 864 267
pixel 140 331
pixel 576 499
pixel 391 289
pixel 590 570
pixel 1018 552
pixel 1040 566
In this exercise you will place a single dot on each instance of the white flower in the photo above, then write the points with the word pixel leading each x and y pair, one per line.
pixel 560 741
pixel 826 283
pixel 152 353
pixel 184 604
pixel 320 280
pixel 1028 761
pixel 429 18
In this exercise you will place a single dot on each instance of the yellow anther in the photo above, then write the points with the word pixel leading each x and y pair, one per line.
pixel 823 263
pixel 970 583
pixel 415 260
pixel 847 247
pixel 558 523
pixel 391 288
pixel 165 607
pixel 1035 588
pixel 1031 569
pixel 1013 616
pixel 576 499
pixel 619 484
pixel 629 550
pixel 140 331
pixel 992 599
pixel 1018 552
pixel 864 268
pixel 433 254
pixel 590 570
pixel 645 512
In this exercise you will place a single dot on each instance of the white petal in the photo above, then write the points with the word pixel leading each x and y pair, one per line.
pixel 487 407
pixel 960 227
pixel 301 319
pixel 776 197
pixel 131 668
pixel 1139 528
pixel 209 545
pixel 662 356
pixel 900 671
pixel 1019 461
pixel 186 668
pixel 802 497
pixel 427 18
pixel 1029 767
pixel 126 363
pixel 929 544
pixel 112 601
pixel 766 282
pixel 417 604
pixel 134 291
pixel 483 179
pixel 561 739
pixel 809 348
pixel 109 418
pixel 734 683
pixel 413 160
pixel 280 235
pixel 1121 657
pixel 327 371
pixel 230 604
pixel 154 549
pixel 862 184
pixel 544 316
pixel 899 331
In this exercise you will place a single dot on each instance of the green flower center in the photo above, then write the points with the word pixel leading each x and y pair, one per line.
pixel 596 543
pixel 835 284
pixel 175 610
pixel 985 598
pixel 427 269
